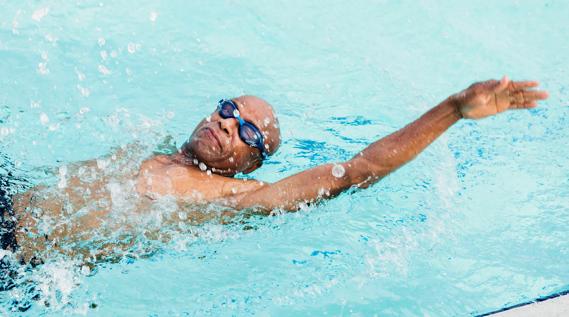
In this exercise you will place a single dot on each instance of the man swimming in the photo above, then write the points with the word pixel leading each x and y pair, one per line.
pixel 90 205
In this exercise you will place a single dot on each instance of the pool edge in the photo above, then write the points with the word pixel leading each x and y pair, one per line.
pixel 537 306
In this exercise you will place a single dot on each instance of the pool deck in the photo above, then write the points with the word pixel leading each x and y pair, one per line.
pixel 554 307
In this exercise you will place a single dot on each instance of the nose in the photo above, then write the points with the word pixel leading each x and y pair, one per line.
pixel 228 125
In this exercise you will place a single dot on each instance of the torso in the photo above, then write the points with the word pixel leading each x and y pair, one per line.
pixel 93 201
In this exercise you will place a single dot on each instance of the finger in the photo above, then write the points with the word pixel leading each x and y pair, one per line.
pixel 524 84
pixel 525 105
pixel 502 84
pixel 535 95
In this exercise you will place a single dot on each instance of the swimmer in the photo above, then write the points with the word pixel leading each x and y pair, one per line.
pixel 236 138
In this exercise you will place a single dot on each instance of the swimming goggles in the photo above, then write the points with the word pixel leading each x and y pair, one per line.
pixel 248 132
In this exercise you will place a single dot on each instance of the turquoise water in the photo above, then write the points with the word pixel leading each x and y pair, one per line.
pixel 478 222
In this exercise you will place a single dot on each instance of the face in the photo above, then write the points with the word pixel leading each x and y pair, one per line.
pixel 216 142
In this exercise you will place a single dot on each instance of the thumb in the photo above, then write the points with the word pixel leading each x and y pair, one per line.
pixel 502 84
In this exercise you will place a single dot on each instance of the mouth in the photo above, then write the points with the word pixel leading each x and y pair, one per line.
pixel 213 136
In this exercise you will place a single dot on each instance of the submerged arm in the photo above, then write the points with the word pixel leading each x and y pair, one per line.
pixel 389 153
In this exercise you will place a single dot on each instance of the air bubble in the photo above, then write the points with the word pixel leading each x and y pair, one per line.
pixel 208 119
pixel 338 171
pixel 104 55
pixel 101 41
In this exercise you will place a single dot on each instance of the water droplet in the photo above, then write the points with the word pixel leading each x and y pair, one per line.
pixel 153 16
pixel 104 70
pixel 50 38
pixel 101 41
pixel 202 166
pixel 338 171
pixel 231 159
pixel 102 164
pixel 182 215
pixel 4 131
pixel 42 69
pixel 131 47
pixel 236 113
pixel 104 54
pixel 62 180
pixel 40 14
pixel 85 270
pixel 233 190
pixel 44 119
pixel 267 121
pixel 85 92
pixel 208 119
pixel 208 173
pixel 80 75
pixel 195 162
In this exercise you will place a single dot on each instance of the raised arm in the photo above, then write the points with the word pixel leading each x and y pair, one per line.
pixel 382 157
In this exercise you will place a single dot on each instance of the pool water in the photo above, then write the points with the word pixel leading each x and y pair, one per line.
pixel 476 223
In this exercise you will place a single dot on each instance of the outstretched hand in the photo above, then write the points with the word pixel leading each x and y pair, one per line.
pixel 490 97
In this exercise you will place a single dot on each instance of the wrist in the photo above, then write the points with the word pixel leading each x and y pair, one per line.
pixel 455 102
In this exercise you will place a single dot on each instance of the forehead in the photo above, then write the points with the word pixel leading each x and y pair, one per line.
pixel 260 115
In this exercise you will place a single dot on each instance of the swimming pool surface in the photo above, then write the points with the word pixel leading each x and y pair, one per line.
pixel 476 223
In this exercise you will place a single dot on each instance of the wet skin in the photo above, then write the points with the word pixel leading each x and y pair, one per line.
pixel 215 142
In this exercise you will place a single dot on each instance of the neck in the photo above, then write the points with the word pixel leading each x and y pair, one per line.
pixel 183 159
